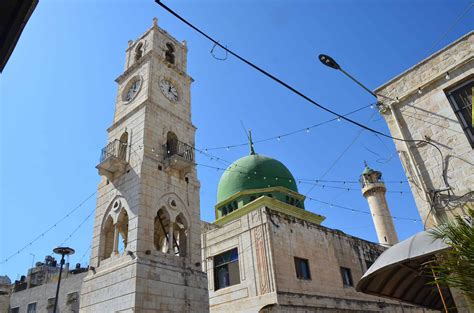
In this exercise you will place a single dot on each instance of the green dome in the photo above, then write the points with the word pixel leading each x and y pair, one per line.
pixel 254 172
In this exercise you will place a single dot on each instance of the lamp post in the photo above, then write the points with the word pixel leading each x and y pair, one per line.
pixel 62 251
pixel 330 62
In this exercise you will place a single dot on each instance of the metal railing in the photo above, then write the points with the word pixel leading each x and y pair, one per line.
pixel 116 148
pixel 176 147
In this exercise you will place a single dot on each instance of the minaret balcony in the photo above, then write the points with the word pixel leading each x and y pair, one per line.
pixel 178 155
pixel 113 159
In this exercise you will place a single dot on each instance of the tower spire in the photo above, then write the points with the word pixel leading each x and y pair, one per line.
pixel 252 151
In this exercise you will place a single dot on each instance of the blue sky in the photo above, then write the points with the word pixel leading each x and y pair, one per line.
pixel 57 97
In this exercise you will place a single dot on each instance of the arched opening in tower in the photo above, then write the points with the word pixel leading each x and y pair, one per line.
pixel 161 230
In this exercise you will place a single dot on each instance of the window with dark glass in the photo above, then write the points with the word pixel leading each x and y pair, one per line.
pixel 226 269
pixel 460 98
pixel 31 308
pixel 346 276
pixel 302 268
pixel 15 310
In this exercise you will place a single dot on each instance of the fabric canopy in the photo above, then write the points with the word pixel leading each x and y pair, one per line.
pixel 399 273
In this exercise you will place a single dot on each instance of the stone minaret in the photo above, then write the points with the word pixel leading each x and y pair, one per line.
pixel 373 189
pixel 146 247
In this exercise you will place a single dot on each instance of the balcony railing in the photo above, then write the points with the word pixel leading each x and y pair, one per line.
pixel 176 147
pixel 113 159
pixel 115 149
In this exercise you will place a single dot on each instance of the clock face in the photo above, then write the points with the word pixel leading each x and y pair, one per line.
pixel 169 90
pixel 133 90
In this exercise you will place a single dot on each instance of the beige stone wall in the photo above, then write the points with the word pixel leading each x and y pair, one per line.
pixel 430 116
pixel 326 251
pixel 267 243
pixel 69 284
pixel 249 234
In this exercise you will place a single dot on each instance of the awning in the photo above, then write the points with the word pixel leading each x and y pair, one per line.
pixel 398 273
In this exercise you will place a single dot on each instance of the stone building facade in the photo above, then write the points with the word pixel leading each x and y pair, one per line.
pixel 435 105
pixel 266 253
pixel 36 292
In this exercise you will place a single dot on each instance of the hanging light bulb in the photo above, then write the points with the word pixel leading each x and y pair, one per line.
pixel 228 148
pixel 419 91
pixel 338 118
pixel 307 130
pixel 279 138
pixel 371 106
pixel 447 76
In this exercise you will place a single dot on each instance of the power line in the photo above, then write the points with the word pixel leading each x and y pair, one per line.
pixel 342 153
pixel 49 229
pixel 299 93
pixel 77 228
pixel 460 17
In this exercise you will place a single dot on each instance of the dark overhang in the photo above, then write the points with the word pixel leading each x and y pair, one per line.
pixel 14 15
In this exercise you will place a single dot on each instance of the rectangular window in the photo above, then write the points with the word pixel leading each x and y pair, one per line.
pixel 302 269
pixel 14 310
pixel 50 305
pixel 31 308
pixel 226 269
pixel 346 277
pixel 460 98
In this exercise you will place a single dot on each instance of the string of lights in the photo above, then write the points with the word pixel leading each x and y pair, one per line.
pixel 255 174
pixel 305 97
pixel 77 228
pixel 401 192
pixel 280 136
pixel 41 235
pixel 85 252
pixel 332 205
pixel 341 155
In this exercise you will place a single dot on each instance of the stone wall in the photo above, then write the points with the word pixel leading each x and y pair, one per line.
pixel 423 112
pixel 327 250
pixel 267 242
pixel 69 284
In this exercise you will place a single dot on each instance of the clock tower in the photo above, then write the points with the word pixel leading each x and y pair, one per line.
pixel 146 247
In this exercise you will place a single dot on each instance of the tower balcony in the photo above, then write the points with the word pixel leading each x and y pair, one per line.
pixel 178 155
pixel 113 159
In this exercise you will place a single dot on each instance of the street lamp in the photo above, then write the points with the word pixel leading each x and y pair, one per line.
pixel 62 251
pixel 330 62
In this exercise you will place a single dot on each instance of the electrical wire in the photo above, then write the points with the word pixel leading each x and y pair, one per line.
pixel 48 230
pixel 299 93
pixel 461 16
pixel 77 228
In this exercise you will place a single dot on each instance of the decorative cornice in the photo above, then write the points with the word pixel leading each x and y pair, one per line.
pixel 274 205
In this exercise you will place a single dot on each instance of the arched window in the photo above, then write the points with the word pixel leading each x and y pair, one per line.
pixel 161 230
pixel 181 235
pixel 138 52
pixel 107 238
pixel 123 142
pixel 122 231
pixel 169 54
pixel 171 143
